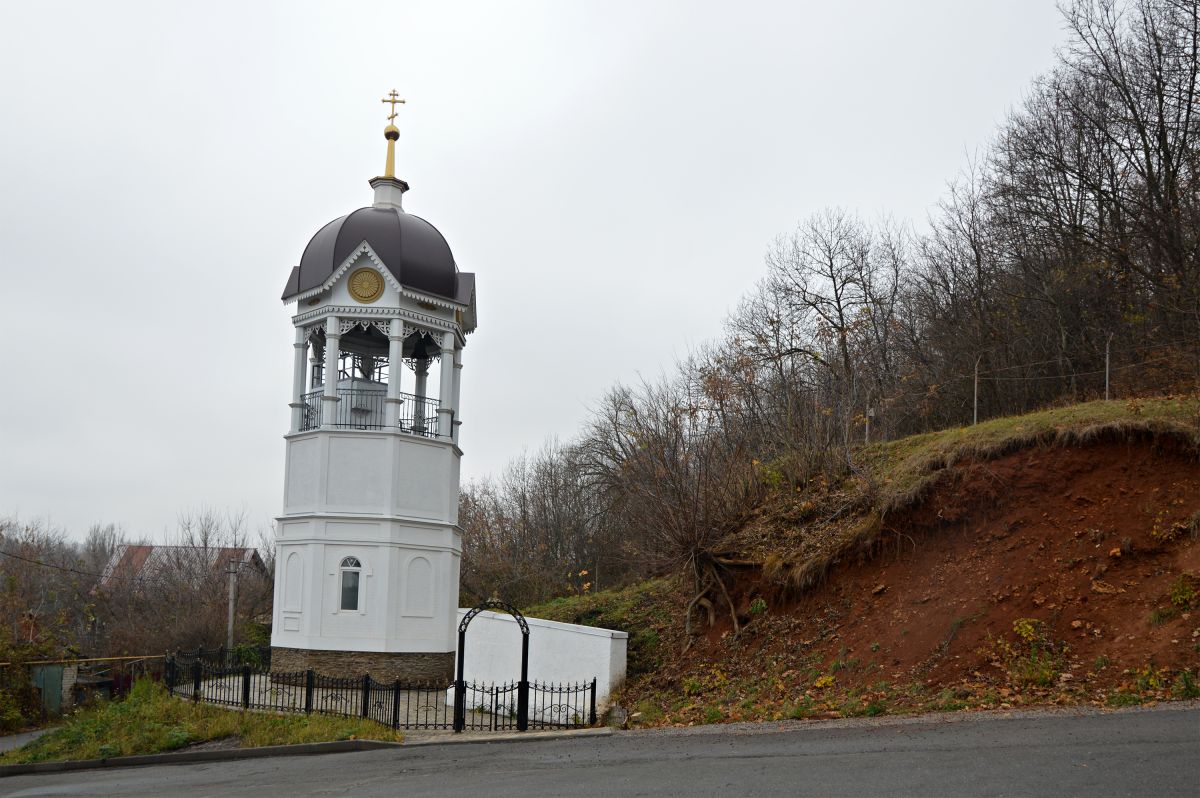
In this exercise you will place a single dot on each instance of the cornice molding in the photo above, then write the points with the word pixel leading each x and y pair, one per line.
pixel 313 320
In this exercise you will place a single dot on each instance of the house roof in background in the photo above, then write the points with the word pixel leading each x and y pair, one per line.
pixel 131 561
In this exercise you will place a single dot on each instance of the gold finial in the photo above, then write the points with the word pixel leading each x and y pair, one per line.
pixel 391 133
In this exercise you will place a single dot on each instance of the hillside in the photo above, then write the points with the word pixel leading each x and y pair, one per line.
pixel 1047 558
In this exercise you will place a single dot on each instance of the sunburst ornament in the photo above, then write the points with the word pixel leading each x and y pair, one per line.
pixel 366 285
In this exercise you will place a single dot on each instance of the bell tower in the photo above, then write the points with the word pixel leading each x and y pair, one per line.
pixel 368 545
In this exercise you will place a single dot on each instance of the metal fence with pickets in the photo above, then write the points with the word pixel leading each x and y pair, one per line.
pixel 243 678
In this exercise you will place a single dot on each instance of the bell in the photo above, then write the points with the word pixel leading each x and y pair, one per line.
pixel 421 349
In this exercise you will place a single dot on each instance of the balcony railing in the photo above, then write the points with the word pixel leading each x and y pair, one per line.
pixel 419 415
pixel 311 417
pixel 359 409
pixel 366 409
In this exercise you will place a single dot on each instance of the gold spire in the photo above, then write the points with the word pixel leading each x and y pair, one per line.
pixel 391 133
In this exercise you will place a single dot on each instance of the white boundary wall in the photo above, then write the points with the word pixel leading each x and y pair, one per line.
pixel 558 652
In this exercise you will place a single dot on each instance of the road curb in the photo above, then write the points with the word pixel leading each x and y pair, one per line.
pixel 186 757
pixel 515 737
pixel 303 749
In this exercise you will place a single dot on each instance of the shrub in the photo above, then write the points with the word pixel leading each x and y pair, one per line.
pixel 19 705
pixel 1035 660
pixel 1184 592
pixel 1185 685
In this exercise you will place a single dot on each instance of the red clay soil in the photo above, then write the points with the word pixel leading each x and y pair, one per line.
pixel 1087 540
pixel 1072 537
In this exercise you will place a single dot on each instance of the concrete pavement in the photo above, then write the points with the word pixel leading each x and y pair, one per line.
pixel 11 741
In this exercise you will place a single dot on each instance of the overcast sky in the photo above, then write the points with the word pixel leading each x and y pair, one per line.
pixel 612 171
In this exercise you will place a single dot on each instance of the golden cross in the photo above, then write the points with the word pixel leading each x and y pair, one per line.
pixel 392 98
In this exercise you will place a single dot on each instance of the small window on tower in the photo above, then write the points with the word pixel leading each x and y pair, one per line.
pixel 351 568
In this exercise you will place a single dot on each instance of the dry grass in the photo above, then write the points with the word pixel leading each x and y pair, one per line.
pixel 897 475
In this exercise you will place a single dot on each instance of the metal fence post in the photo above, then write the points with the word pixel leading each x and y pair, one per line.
pixel 366 695
pixel 169 676
pixel 523 705
pixel 196 670
pixel 460 705
pixel 245 687
pixel 309 683
pixel 523 685
pixel 396 705
pixel 592 717
pixel 460 686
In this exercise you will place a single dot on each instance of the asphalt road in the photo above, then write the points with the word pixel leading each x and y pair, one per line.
pixel 1150 753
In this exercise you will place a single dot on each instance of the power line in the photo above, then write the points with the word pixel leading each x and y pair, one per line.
pixel 1074 374
pixel 68 569
pixel 1058 360
pixel 64 568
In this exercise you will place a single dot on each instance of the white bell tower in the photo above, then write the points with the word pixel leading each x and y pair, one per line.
pixel 368 545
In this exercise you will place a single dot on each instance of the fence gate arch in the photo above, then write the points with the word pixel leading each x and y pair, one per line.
pixel 460 684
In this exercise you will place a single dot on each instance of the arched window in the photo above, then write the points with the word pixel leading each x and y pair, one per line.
pixel 351 570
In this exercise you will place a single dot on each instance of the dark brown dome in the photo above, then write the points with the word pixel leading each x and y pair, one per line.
pixel 411 248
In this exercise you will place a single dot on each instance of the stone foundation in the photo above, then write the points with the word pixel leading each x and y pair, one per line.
pixel 410 668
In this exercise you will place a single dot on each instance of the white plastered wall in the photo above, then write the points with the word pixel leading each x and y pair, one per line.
pixel 407 586
pixel 558 652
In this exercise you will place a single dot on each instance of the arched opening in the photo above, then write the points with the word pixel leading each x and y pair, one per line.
pixel 350 580
pixel 460 684
pixel 293 575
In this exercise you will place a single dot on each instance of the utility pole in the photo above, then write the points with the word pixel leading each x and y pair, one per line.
pixel 232 570
pixel 1107 346
pixel 975 416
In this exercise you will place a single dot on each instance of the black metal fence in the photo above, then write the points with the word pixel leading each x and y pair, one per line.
pixel 256 656
pixel 562 706
pixel 311 411
pixel 366 409
pixel 360 408
pixel 229 678
pixel 418 415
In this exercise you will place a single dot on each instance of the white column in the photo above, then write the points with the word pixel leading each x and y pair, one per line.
pixel 391 416
pixel 333 340
pixel 421 390
pixel 299 365
pixel 421 370
pixel 446 389
pixel 454 396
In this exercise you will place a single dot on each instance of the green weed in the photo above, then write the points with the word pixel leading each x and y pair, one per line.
pixel 800 709
pixel 1185 685
pixel 1124 699
pixel 1184 592
pixel 1160 615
